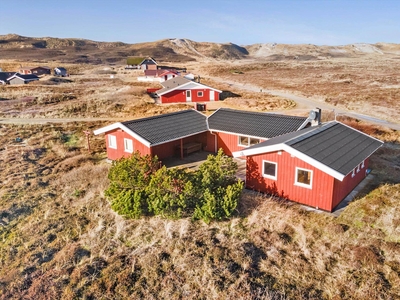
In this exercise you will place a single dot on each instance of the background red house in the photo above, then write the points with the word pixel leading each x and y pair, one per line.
pixel 180 89
pixel 35 70
pixel 317 166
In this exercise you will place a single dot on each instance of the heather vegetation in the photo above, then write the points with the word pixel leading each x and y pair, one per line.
pixel 62 238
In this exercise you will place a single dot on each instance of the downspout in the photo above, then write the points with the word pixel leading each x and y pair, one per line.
pixel 182 149
pixel 215 142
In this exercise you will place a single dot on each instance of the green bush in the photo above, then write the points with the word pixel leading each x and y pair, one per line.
pixel 138 186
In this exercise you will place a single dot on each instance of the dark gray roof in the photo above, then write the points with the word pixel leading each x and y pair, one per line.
pixel 5 75
pixel 333 144
pixel 256 124
pixel 24 76
pixel 169 127
pixel 172 83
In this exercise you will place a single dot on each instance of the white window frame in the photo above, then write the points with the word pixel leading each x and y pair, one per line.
pixel 296 182
pixel 240 137
pixel 128 145
pixel 200 94
pixel 112 141
pixel 248 138
pixel 363 164
pixel 267 175
pixel 353 173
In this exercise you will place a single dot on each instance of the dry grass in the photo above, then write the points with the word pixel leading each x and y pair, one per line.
pixel 60 239
pixel 361 84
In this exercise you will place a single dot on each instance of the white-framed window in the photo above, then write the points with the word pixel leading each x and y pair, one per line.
pixel 270 169
pixel 358 168
pixel 112 141
pixel 128 145
pixel 353 173
pixel 246 141
pixel 363 164
pixel 199 94
pixel 303 177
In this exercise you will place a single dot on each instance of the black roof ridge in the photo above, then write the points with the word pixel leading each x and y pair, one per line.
pixel 315 130
pixel 259 113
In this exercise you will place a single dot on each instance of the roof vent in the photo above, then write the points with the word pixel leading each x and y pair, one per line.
pixel 315 117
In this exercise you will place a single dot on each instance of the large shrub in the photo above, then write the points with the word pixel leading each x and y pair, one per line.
pixel 139 186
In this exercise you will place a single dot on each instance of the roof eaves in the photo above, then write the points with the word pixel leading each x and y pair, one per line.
pixel 123 127
pixel 283 147
pixel 178 138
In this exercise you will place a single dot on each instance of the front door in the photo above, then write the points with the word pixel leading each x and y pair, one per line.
pixel 188 96
pixel 212 96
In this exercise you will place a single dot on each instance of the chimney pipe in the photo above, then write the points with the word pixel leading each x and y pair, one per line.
pixel 319 116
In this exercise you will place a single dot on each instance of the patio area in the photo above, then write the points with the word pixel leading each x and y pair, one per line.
pixel 194 160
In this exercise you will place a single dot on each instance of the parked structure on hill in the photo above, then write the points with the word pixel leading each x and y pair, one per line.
pixel 41 70
pixel 158 75
pixel 22 78
pixel 180 89
pixel 144 63
pixel 60 71
pixel 4 76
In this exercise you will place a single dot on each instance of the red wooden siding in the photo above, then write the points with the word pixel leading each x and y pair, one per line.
pixel 162 151
pixel 120 151
pixel 229 142
pixel 342 188
pixel 320 195
pixel 180 96
pixel 169 149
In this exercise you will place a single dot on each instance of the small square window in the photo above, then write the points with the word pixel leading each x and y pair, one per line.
pixel 199 94
pixel 254 141
pixel 243 141
pixel 303 177
pixel 112 141
pixel 128 145
pixel 269 169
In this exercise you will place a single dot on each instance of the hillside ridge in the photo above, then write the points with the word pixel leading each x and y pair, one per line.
pixel 14 46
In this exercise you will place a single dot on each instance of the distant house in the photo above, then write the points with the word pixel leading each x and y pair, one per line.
pixel 157 75
pixel 22 78
pixel 41 70
pixel 191 130
pixel 141 63
pixel 4 77
pixel 317 166
pixel 60 71
pixel 180 89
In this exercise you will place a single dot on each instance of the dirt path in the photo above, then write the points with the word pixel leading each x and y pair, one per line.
pixel 304 103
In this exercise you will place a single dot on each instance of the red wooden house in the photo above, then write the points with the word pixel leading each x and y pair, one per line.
pixel 236 130
pixel 41 70
pixel 180 89
pixel 191 130
pixel 317 166
pixel 165 135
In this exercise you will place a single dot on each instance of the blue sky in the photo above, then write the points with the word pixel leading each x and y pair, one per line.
pixel 245 22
